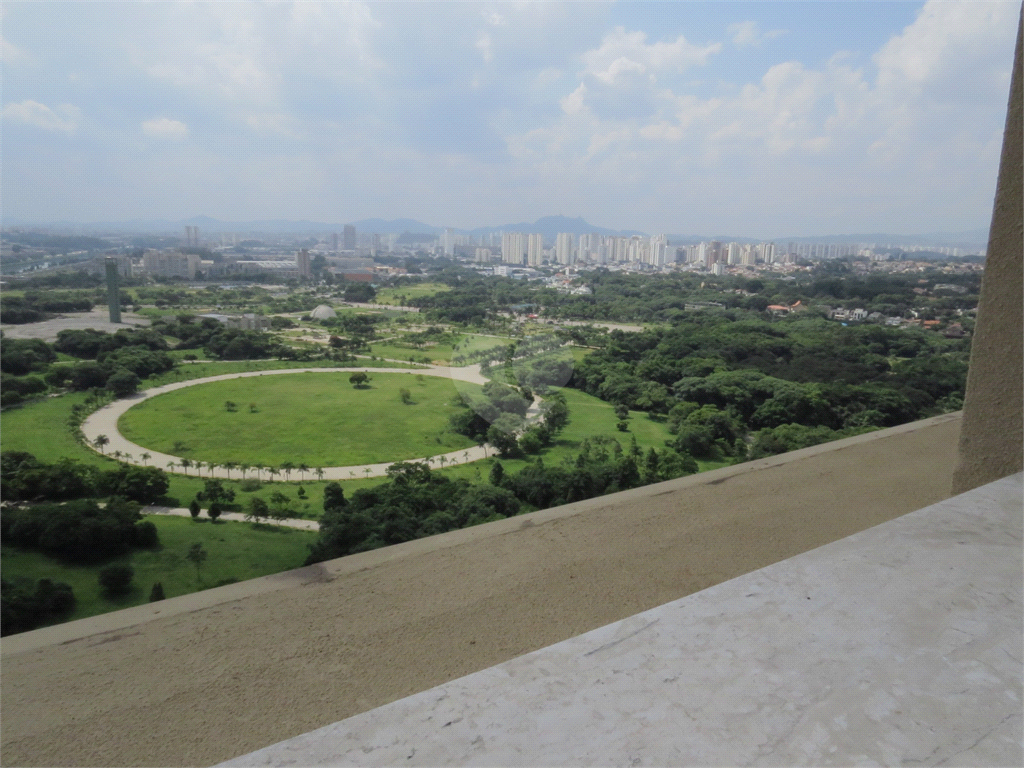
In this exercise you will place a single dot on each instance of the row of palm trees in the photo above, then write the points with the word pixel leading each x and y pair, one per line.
pixel 286 468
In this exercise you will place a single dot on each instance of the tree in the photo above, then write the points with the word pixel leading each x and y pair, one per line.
pixel 334 496
pixel 196 555
pixel 194 509
pixel 287 466
pixel 622 411
pixel 497 473
pixel 117 579
pixel 258 510
pixel 319 473
pixel 230 407
pixel 157 593
pixel 123 383
pixel 215 491
pixel 185 464
pixel 279 506
pixel 145 457
pixel 100 441
pixel 214 511
pixel 303 469
pixel 358 379
pixel 406 395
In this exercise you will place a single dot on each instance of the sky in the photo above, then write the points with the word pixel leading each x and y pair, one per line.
pixel 755 119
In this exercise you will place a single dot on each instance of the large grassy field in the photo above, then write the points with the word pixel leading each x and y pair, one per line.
pixel 235 552
pixel 405 293
pixel 440 354
pixel 318 419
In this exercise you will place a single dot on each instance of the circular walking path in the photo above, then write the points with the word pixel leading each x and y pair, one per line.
pixel 104 422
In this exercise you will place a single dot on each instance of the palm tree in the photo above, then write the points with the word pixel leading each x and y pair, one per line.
pixel 319 473
pixel 465 456
pixel 442 460
pixel 116 455
pixel 243 468
pixel 171 465
pixel 368 471
pixel 303 469
pixel 273 472
pixel 100 441
pixel 229 465
pixel 287 466
pixel 145 457
pixel 185 464
pixel 128 457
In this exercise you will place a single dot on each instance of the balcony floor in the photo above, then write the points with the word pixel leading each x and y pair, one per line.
pixel 899 645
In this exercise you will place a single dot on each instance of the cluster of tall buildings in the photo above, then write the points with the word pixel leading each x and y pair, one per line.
pixel 655 251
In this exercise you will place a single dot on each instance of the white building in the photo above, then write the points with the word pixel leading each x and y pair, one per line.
pixel 563 248
pixel 513 247
pixel 535 250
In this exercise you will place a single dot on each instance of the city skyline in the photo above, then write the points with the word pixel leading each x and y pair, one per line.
pixel 760 120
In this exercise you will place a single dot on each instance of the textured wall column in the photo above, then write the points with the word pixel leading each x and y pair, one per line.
pixel 992 435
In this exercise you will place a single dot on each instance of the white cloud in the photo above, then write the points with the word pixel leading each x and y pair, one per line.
pixel 573 103
pixel 63 119
pixel 165 128
pixel 485 45
pixel 623 52
pixel 748 33
pixel 945 37
pixel 494 18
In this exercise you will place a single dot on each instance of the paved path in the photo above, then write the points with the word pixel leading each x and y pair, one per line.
pixel 104 422
pixel 291 522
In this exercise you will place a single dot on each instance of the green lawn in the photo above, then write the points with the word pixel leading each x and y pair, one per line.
pixel 438 353
pixel 312 418
pixel 405 293
pixel 236 551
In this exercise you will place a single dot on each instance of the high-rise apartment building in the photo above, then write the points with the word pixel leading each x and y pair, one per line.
pixel 483 255
pixel 733 254
pixel 535 250
pixel 349 238
pixel 302 262
pixel 513 247
pixel 448 242
pixel 563 248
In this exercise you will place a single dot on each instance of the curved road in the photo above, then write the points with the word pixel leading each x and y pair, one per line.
pixel 104 422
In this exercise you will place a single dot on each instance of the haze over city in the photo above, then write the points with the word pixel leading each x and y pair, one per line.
pixel 762 120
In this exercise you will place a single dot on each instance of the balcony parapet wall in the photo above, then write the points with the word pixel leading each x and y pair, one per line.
pixel 230 670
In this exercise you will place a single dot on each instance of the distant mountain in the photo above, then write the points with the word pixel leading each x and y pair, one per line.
pixel 395 226
pixel 550 226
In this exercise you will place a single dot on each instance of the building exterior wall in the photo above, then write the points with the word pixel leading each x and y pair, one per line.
pixel 992 439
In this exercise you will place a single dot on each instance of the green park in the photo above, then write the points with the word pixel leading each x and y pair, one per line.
pixel 311 419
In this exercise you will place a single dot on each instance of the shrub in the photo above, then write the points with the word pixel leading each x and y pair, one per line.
pixel 146 535
pixel 157 593
pixel 23 608
pixel 250 485
pixel 117 579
